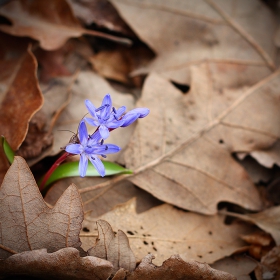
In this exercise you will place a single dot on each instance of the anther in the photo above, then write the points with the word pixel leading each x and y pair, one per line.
pixel 104 156
pixel 106 148
pixel 114 110
pixel 93 158
pixel 102 141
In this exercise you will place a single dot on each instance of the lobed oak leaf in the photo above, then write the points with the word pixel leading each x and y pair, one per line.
pixel 65 263
pixel 165 230
pixel 175 268
pixel 113 247
pixel 183 153
pixel 27 223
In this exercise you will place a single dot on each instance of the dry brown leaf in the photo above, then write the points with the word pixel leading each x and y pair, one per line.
pixel 182 153
pixel 27 223
pixel 64 264
pixel 165 230
pixel 113 247
pixel 269 268
pixel 239 266
pixel 268 220
pixel 102 200
pixel 183 33
pixel 101 13
pixel 175 268
pixel 21 100
pixel 52 23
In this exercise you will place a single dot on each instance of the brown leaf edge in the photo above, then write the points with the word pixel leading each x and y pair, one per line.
pixel 113 247
pixel 173 268
pixel 63 264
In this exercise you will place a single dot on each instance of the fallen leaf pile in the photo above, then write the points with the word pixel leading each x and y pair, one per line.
pixel 203 199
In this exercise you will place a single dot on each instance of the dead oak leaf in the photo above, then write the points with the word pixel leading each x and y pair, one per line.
pixel 114 248
pixel 165 230
pixel 52 23
pixel 175 268
pixel 27 223
pixel 182 154
pixel 21 100
pixel 62 264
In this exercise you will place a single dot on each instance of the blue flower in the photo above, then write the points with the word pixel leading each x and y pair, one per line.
pixel 89 148
pixel 105 117
pixel 133 115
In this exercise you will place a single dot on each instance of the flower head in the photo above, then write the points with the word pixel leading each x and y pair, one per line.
pixel 105 117
pixel 89 148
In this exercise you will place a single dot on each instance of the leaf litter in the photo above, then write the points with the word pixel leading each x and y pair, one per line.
pixel 212 89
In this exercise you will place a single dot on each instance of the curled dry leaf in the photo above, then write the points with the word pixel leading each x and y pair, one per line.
pixel 165 230
pixel 113 247
pixel 21 100
pixel 27 223
pixel 183 33
pixel 52 23
pixel 268 220
pixel 182 154
pixel 64 264
pixel 175 268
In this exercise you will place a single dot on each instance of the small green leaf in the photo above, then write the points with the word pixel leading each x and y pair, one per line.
pixel 71 169
pixel 7 150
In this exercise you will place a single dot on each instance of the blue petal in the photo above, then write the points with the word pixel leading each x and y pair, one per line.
pixel 115 124
pixel 83 133
pixel 129 118
pixel 91 108
pixel 74 149
pixel 83 165
pixel 120 111
pixel 91 122
pixel 107 103
pixel 104 131
pixel 107 149
pixel 97 163
pixel 94 138
pixel 143 112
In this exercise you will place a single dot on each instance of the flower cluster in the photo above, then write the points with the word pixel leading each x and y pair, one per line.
pixel 106 118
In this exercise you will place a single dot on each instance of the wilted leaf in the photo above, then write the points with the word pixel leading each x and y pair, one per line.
pixel 27 223
pixel 182 153
pixel 113 247
pixel 63 264
pixel 175 268
pixel 239 266
pixel 269 268
pixel 183 33
pixel 268 220
pixel 165 230
pixel 21 100
pixel 101 200
pixel 52 23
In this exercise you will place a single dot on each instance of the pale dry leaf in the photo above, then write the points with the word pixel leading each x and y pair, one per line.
pixel 65 263
pixel 183 33
pixel 99 201
pixel 182 152
pixel 27 223
pixel 240 266
pixel 21 99
pixel 52 23
pixel 269 267
pixel 113 247
pixel 268 220
pixel 175 268
pixel 165 230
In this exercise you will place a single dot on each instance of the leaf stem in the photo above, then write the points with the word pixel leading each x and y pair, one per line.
pixel 52 169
